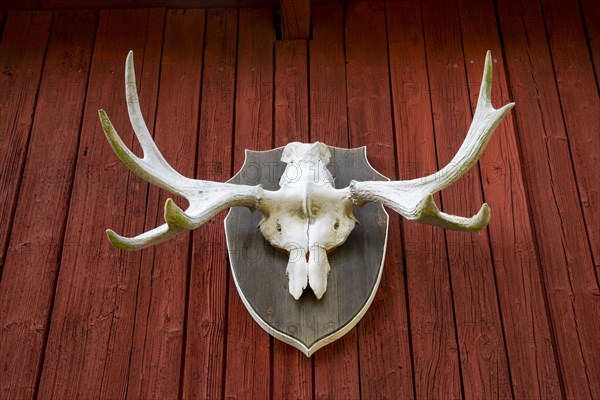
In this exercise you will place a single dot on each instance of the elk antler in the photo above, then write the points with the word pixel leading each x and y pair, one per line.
pixel 413 199
pixel 206 198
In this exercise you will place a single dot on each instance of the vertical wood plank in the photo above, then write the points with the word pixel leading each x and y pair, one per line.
pixel 563 247
pixel 336 369
pixel 33 257
pixel 328 113
pixel 591 16
pixel 435 356
pixel 580 107
pixel 295 19
pixel 527 330
pixel 159 328
pixel 22 52
pixel 206 330
pixel 89 343
pixel 482 355
pixel 385 362
pixel 291 92
pixel 254 85
pixel 248 366
pixel 292 370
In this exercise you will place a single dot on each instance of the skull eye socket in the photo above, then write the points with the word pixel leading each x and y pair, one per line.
pixel 337 224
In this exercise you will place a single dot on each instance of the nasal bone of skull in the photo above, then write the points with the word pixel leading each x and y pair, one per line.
pixel 318 270
pixel 312 272
pixel 297 272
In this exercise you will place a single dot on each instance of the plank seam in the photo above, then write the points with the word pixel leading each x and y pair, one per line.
pixel 308 109
pixel 349 141
pixel 401 220
pixel 3 24
pixel 582 212
pixel 593 64
pixel 309 133
pixel 349 136
pixel 146 216
pixel 189 263
pixel 587 40
pixel 70 192
pixel 231 173
pixel 500 314
pixel 146 213
pixel 528 202
pixel 577 187
pixel 441 199
pixel 272 107
pixel 110 335
pixel 9 234
pixel 25 153
pixel 273 88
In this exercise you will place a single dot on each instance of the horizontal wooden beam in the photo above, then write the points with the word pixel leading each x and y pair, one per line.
pixel 8 5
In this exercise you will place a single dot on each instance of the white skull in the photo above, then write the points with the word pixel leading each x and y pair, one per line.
pixel 304 216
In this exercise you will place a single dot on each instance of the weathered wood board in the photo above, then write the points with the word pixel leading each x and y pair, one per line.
pixel 432 319
pixel 384 344
pixel 533 369
pixel 88 348
pixel 80 319
pixel 33 254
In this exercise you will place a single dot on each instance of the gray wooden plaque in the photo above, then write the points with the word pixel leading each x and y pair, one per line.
pixel 259 269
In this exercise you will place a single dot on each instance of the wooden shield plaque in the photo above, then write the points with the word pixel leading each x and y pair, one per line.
pixel 259 269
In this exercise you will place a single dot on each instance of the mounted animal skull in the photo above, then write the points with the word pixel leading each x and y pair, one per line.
pixel 307 216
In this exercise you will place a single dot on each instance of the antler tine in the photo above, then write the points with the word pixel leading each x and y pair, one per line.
pixel 146 239
pixel 413 199
pixel 206 198
pixel 484 123
pixel 152 167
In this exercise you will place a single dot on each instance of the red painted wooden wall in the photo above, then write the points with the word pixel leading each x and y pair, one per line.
pixel 510 312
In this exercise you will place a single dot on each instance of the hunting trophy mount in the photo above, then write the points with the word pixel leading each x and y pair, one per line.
pixel 311 212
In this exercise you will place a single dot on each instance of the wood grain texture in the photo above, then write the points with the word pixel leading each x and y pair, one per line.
pixel 116 4
pixel 384 351
pixel 248 372
pixel 292 370
pixel 9 5
pixel 33 256
pixel 562 243
pixel 87 353
pixel 208 285
pixel 156 359
pixel 433 338
pixel 580 105
pixel 591 16
pixel 22 51
pixel 529 341
pixel 295 19
pixel 291 92
pixel 255 81
pixel 328 112
pixel 482 355
pixel 194 337
pixel 336 368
